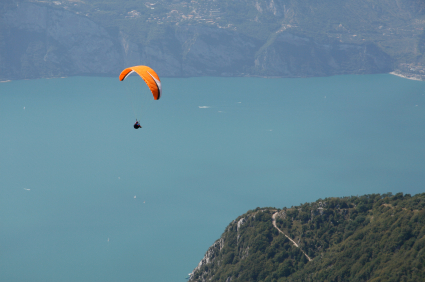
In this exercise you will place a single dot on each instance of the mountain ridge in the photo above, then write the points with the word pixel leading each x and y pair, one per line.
pixel 371 237
pixel 210 38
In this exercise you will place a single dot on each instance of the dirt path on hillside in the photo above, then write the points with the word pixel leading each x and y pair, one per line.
pixel 293 242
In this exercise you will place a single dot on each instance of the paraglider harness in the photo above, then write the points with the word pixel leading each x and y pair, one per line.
pixel 137 125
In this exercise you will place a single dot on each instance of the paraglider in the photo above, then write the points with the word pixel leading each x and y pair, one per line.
pixel 151 79
pixel 137 125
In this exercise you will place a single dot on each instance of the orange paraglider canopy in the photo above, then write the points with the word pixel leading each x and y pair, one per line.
pixel 148 75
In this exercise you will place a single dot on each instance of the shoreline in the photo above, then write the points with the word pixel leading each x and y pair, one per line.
pixel 399 74
pixel 405 76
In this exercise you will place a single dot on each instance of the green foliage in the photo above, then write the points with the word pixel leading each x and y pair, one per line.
pixel 367 238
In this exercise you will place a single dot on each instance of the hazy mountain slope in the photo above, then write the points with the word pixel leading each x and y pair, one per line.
pixel 367 238
pixel 222 38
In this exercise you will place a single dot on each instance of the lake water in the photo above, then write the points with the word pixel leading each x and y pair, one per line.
pixel 85 197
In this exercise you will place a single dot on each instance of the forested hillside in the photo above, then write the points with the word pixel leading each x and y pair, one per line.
pixel 367 238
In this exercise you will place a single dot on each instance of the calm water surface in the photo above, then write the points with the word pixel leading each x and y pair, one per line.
pixel 85 197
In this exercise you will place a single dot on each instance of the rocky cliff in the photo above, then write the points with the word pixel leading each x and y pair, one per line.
pixel 41 41
pixel 44 42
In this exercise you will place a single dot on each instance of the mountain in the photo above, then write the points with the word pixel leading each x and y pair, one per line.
pixel 274 38
pixel 367 238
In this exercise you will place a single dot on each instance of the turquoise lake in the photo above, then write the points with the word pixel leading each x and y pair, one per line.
pixel 85 197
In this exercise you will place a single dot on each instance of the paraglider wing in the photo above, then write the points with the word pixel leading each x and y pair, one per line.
pixel 148 75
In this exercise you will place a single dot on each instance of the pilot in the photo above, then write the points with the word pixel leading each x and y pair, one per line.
pixel 137 125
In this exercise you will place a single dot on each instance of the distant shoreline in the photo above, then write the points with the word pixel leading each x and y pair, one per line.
pixel 413 77
pixel 399 74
